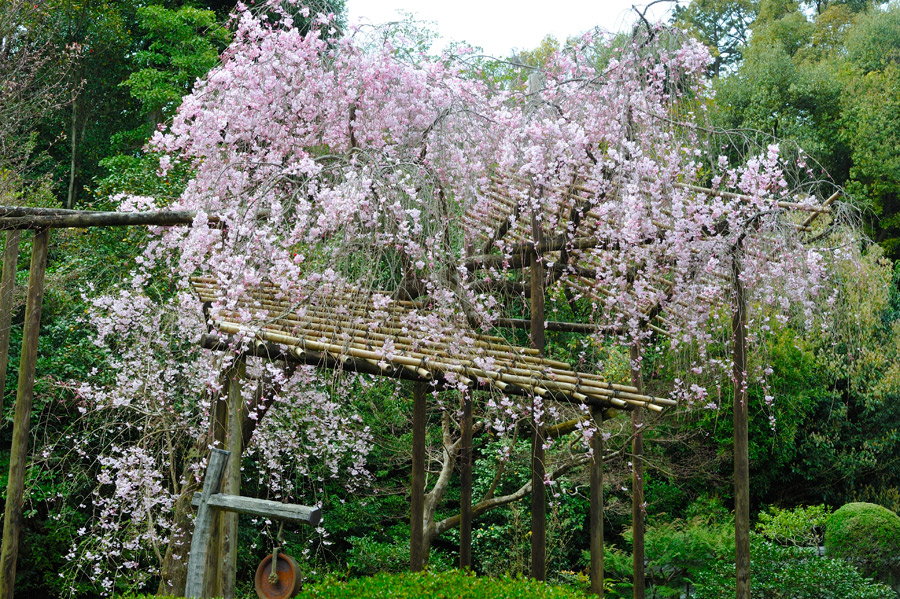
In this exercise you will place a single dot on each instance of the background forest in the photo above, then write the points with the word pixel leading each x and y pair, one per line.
pixel 83 86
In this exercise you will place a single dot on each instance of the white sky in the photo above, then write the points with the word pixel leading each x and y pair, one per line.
pixel 498 26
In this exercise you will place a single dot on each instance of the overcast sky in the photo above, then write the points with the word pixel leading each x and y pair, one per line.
pixel 498 26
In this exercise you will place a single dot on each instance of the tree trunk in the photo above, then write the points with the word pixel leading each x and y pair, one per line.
pixel 70 198
pixel 174 567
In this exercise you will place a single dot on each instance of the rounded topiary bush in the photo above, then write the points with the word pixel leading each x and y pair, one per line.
pixel 868 536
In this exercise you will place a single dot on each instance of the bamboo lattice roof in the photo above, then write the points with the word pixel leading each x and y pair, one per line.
pixel 495 223
pixel 395 337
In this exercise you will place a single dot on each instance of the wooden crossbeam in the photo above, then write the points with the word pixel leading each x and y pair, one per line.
pixel 210 499
pixel 263 508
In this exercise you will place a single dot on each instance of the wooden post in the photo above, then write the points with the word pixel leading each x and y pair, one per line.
pixel 231 484
pixel 417 492
pixel 219 431
pixel 7 287
pixel 538 492
pixel 597 507
pixel 741 433
pixel 465 486
pixel 637 476
pixel 12 520
pixel 194 588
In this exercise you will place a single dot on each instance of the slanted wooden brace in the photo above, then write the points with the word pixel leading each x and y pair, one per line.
pixel 210 499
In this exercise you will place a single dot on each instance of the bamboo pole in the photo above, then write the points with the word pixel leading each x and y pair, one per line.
pixel 18 459
pixel 465 490
pixel 637 477
pixel 822 209
pixel 741 432
pixel 597 506
pixel 7 289
pixel 417 492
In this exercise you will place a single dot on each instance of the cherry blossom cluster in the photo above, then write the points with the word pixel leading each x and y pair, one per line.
pixel 323 165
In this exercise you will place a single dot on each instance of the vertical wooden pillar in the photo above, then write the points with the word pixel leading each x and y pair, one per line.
pixel 741 434
pixel 7 289
pixel 231 483
pixel 538 491
pixel 465 490
pixel 219 432
pixel 417 492
pixel 597 507
pixel 203 526
pixel 12 520
pixel 637 476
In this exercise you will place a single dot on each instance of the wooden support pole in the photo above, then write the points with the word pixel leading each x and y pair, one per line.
pixel 417 491
pixel 637 477
pixel 538 492
pixel 219 433
pixel 597 507
pixel 18 458
pixel 465 490
pixel 231 483
pixel 194 587
pixel 741 432
pixel 7 289
pixel 85 218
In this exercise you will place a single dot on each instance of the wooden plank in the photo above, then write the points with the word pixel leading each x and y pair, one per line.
pixel 262 508
pixel 231 484
pixel 203 524
pixel 741 432
pixel 597 507
pixel 18 459
pixel 7 289
pixel 465 486
pixel 417 490
pixel 637 478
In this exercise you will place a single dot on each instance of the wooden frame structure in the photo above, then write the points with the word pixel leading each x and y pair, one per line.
pixel 300 337
pixel 499 224
pixel 367 331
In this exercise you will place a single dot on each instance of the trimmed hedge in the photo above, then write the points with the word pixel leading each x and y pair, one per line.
pixel 440 585
pixel 868 536
pixel 790 573
pixel 454 584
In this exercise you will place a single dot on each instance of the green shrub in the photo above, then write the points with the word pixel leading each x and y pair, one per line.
pixel 801 526
pixel 867 536
pixel 430 585
pixel 779 572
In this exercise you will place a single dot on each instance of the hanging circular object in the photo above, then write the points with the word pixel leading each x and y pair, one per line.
pixel 287 582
